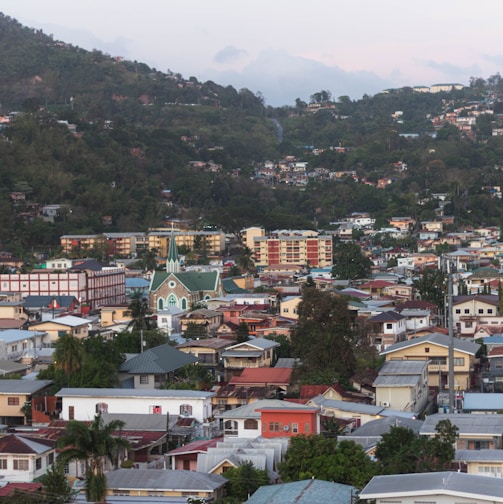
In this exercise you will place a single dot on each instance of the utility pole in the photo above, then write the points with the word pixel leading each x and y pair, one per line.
pixel 451 337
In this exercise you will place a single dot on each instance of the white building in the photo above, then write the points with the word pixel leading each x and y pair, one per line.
pixel 84 403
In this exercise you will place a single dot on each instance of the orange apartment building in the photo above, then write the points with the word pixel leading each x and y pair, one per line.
pixel 293 247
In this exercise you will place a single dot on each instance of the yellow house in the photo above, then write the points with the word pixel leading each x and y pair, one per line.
pixel 289 307
pixel 76 326
pixel 435 348
pixel 115 314
pixel 484 462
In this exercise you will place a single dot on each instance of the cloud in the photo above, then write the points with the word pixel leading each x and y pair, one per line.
pixel 282 77
pixel 453 72
pixel 229 54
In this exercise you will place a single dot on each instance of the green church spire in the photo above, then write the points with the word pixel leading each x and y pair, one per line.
pixel 172 262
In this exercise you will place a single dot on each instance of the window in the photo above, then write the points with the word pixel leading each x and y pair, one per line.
pixel 155 409
pixel 459 361
pixel 427 350
pixel 13 401
pixel 468 325
pixel 295 427
pixel 482 445
pixel 186 410
pixel 489 311
pixel 490 471
pixel 481 311
pixel 467 311
pixel 231 428
pixel 66 469
pixel 3 463
pixel 389 326
pixel 498 364
pixel 264 426
pixel 274 427
pixel 144 379
pixel 49 460
pixel 458 311
pixel 21 464
pixel 38 464
pixel 251 424
pixel 71 413
pixel 101 407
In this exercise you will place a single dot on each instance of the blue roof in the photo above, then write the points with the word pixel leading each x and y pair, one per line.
pixel 136 283
pixel 12 335
pixel 303 492
pixel 476 401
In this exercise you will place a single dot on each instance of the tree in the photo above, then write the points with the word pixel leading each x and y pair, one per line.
pixel 56 484
pixel 323 336
pixel 349 262
pixel 245 260
pixel 68 355
pixel 94 444
pixel 140 314
pixel 316 456
pixel 243 333
pixel 432 286
pixel 244 480
pixel 401 451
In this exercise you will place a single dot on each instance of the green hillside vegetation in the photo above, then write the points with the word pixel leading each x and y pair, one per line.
pixel 137 129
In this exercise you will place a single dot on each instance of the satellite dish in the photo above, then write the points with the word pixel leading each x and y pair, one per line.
pixel 286 428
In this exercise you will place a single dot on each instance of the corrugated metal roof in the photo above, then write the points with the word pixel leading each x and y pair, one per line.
pixel 481 424
pixel 479 455
pixel 476 401
pixel 443 483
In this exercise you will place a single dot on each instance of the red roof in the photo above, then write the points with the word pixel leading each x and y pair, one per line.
pixel 496 352
pixel 8 489
pixel 196 446
pixel 270 376
pixel 376 284
pixel 310 391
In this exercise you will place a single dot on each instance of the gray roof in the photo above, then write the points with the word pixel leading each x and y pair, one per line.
pixel 12 335
pixel 8 366
pixel 160 479
pixel 397 380
pixel 23 386
pixel 159 360
pixel 435 339
pixel 259 343
pixel 250 410
pixel 383 425
pixel 142 393
pixel 476 401
pixel 485 455
pixel 303 492
pixel 350 407
pixel 403 367
pixel 481 424
pixel 137 421
pixel 424 484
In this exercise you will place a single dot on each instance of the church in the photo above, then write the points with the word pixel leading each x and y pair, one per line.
pixel 182 289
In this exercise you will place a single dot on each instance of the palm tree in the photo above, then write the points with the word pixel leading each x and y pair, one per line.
pixel 140 313
pixel 93 444
pixel 68 355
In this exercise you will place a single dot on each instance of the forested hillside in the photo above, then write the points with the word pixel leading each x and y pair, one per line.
pixel 107 138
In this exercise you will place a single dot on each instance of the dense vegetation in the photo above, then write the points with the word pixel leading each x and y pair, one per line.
pixel 137 129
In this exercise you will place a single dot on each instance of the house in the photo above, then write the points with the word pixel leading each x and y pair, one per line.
pixel 270 418
pixel 263 377
pixel 435 488
pixel 24 458
pixel 47 307
pixel 208 352
pixel 185 457
pixel 147 483
pixel 475 431
pixel 59 326
pixel 168 320
pixel 153 367
pixel 434 348
pixel 14 343
pixel 470 308
pixel 356 413
pixel 493 374
pixel 369 434
pixel 402 385
pixel 15 394
pixel 288 307
pixel 389 328
pixel 304 492
pixel 481 462
pixel 111 315
pixel 84 403
pixel 254 353
pixel 203 321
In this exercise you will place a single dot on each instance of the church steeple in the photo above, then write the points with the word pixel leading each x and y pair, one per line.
pixel 172 262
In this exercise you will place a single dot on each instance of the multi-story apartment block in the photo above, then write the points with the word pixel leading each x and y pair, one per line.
pixel 117 244
pixel 93 288
pixel 212 241
pixel 293 247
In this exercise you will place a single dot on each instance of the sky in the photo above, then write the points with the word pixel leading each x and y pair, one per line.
pixel 286 49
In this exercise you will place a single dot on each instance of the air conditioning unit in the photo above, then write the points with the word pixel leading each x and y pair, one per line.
pixel 385 404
